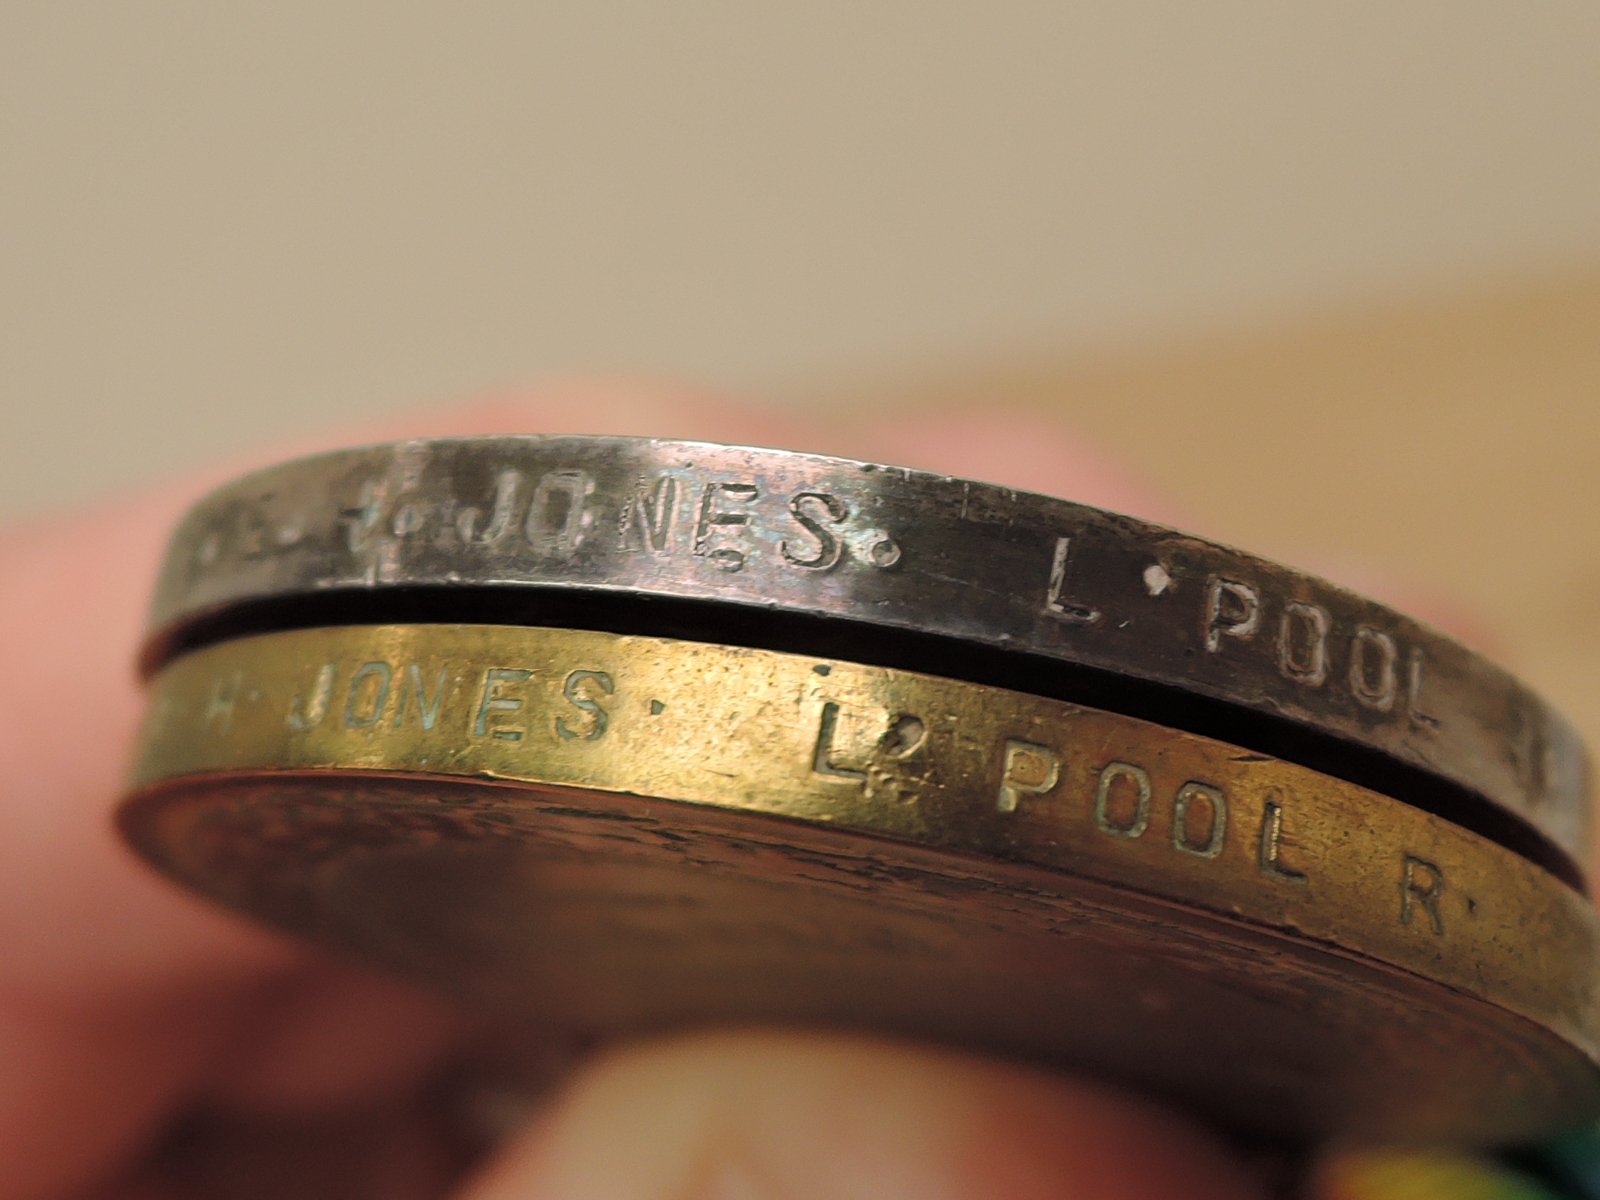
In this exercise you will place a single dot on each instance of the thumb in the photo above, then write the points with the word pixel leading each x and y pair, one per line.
pixel 753 1116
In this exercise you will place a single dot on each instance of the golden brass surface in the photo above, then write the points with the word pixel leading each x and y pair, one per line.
pixel 605 833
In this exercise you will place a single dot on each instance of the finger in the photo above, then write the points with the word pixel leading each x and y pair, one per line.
pixel 387 1151
pixel 1025 450
pixel 747 1116
pixel 1449 613
pixel 95 952
pixel 329 1038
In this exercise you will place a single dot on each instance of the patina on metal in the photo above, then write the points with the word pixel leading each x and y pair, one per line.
pixel 891 567
pixel 608 834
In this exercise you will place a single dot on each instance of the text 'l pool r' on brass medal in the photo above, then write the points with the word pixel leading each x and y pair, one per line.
pixel 606 834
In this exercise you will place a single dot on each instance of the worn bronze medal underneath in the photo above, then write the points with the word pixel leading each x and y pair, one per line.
pixel 600 835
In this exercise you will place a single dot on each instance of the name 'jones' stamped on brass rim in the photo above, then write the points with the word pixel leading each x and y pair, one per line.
pixel 917 570
pixel 928 762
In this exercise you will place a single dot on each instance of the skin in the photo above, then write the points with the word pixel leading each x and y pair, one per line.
pixel 153 1047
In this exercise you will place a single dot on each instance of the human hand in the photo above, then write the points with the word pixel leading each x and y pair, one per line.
pixel 154 1047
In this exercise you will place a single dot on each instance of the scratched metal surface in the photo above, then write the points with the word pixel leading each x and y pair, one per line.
pixel 892 550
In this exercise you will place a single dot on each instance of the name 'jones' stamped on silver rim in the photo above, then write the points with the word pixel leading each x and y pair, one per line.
pixel 890 550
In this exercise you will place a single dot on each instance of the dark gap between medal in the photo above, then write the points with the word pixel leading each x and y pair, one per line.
pixel 878 646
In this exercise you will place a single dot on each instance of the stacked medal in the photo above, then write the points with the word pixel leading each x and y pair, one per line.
pixel 612 736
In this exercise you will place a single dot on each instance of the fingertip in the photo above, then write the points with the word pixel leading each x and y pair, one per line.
pixel 331 1038
pixel 1016 448
pixel 717 1116
pixel 1451 614
pixel 596 406
pixel 84 918
pixel 1035 1137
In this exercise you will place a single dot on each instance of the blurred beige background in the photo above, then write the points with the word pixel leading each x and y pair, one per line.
pixel 1328 274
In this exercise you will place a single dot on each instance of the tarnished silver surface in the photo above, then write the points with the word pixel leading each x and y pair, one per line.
pixel 899 552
